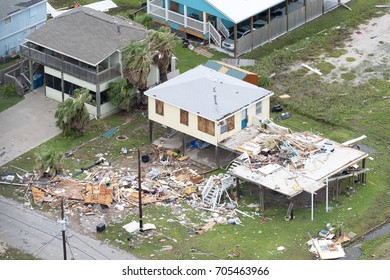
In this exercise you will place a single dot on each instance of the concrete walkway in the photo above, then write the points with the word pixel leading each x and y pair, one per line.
pixel 26 125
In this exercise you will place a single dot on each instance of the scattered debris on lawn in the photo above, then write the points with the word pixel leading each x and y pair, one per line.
pixel 327 245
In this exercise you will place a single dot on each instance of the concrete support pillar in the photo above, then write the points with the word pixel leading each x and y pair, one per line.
pixel 364 175
pixel 183 144
pixel 327 195
pixel 312 206
pixel 151 131
pixel 217 156
pixel 261 198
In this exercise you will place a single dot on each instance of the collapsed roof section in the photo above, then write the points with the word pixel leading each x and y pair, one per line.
pixel 290 163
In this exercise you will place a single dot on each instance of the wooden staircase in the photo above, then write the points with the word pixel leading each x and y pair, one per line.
pixel 216 186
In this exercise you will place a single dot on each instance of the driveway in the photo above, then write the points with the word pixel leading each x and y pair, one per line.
pixel 26 125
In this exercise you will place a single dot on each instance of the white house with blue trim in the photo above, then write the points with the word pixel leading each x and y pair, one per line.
pixel 19 18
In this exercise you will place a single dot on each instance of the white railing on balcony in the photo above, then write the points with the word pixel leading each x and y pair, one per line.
pixel 222 28
pixel 195 24
pixel 156 10
pixel 175 17
pixel 214 35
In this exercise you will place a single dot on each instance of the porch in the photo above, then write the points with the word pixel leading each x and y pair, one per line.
pixel 265 26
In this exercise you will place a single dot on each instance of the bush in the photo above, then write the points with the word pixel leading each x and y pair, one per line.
pixel 144 19
pixel 7 90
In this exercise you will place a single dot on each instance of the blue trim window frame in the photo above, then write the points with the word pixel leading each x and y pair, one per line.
pixel 259 108
pixel 223 126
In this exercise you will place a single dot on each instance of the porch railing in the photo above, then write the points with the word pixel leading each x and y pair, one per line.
pixel 221 27
pixel 214 34
pixel 155 8
pixel 76 71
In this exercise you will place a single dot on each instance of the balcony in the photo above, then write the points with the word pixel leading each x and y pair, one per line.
pixel 88 74
pixel 156 9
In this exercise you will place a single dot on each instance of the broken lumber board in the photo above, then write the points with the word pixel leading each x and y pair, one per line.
pixel 315 70
pixel 243 213
pixel 345 6
pixel 349 142
pixel 13 184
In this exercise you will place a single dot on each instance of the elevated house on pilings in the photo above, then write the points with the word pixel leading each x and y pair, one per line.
pixel 238 26
pixel 81 48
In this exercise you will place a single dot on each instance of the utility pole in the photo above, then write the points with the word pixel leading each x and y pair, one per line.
pixel 63 227
pixel 141 228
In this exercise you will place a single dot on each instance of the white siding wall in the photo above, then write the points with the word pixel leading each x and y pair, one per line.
pixel 171 119
pixel 105 109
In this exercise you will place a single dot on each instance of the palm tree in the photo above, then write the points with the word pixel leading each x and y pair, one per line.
pixel 72 115
pixel 50 162
pixel 122 94
pixel 137 64
pixel 161 43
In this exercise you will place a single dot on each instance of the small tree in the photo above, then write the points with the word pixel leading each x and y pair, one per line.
pixel 72 115
pixel 137 64
pixel 122 94
pixel 161 44
pixel 50 162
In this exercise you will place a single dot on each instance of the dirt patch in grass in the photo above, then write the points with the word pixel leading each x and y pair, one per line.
pixel 368 48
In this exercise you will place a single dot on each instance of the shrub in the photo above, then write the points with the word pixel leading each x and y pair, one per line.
pixel 7 90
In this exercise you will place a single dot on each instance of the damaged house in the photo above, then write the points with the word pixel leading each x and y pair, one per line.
pixel 274 158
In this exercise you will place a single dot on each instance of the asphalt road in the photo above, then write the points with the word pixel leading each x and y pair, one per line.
pixel 24 228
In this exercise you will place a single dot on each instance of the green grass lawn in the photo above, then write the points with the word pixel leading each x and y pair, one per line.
pixel 11 253
pixel 5 103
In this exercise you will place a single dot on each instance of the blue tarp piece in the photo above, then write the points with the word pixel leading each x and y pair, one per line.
pixel 110 132
pixel 198 144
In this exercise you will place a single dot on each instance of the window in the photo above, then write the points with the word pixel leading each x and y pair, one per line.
pixel 223 126
pixel 206 126
pixel 159 107
pixel 259 107
pixel 7 20
pixel 53 82
pixel 227 125
pixel 183 117
pixel 230 123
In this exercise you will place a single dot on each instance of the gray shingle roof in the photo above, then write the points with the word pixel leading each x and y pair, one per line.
pixel 8 7
pixel 207 93
pixel 86 34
